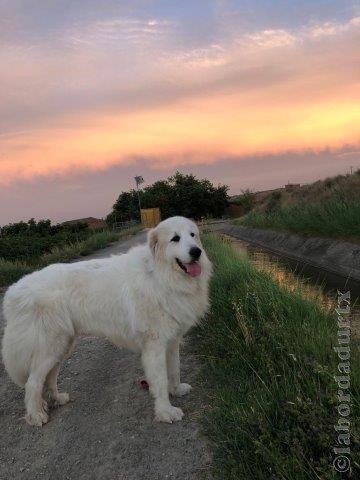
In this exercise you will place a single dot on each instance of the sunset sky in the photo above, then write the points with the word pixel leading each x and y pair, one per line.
pixel 251 94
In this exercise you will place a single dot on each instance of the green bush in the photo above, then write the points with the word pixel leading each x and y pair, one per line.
pixel 28 241
pixel 11 271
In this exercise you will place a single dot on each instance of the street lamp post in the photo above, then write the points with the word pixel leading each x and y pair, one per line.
pixel 138 181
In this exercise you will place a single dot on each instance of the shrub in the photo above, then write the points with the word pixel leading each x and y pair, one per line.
pixel 246 200
pixel 10 271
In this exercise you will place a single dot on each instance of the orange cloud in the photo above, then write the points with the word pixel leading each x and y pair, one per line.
pixel 262 93
pixel 199 131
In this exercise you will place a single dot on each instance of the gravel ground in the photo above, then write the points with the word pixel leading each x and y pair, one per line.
pixel 107 432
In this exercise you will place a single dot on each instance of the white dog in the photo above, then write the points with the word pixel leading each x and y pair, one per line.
pixel 144 300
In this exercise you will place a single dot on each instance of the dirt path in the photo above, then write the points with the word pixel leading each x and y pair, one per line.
pixel 108 431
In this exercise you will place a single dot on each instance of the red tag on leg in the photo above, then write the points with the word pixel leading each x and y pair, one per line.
pixel 144 385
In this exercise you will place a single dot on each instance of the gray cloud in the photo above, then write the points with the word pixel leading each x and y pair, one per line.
pixel 129 64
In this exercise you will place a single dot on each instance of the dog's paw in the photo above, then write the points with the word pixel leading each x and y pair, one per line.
pixel 37 419
pixel 61 399
pixel 181 389
pixel 57 399
pixel 169 414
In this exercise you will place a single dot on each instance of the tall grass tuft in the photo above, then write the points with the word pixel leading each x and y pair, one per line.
pixel 337 217
pixel 11 271
pixel 268 367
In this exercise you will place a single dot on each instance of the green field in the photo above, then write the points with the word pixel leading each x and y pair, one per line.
pixel 267 367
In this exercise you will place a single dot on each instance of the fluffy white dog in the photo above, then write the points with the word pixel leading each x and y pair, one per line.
pixel 144 300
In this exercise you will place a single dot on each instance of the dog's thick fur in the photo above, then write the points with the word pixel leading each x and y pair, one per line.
pixel 143 300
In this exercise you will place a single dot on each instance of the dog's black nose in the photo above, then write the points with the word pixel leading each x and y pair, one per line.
pixel 195 252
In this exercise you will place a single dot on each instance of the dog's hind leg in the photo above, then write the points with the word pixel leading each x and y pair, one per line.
pixel 48 351
pixel 51 392
pixel 36 406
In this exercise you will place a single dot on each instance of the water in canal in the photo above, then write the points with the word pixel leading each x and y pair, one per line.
pixel 292 277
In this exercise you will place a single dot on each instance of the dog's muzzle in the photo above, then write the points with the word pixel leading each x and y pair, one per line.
pixel 193 269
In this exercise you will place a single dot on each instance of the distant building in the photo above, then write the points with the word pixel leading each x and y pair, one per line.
pixel 92 223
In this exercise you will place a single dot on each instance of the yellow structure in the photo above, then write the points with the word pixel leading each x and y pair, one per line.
pixel 150 217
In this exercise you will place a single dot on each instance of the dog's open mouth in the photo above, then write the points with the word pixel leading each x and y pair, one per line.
pixel 193 268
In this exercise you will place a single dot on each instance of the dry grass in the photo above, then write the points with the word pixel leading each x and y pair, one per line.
pixel 348 186
pixel 328 208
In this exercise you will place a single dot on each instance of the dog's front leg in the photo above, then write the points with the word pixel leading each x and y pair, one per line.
pixel 173 368
pixel 154 362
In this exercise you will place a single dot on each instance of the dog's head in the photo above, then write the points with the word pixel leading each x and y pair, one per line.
pixel 176 243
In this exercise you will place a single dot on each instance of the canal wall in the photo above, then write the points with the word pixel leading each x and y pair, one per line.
pixel 333 256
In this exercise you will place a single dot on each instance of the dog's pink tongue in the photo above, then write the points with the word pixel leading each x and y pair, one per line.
pixel 193 269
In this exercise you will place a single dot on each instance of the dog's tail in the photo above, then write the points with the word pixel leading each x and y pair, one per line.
pixel 16 357
pixel 19 335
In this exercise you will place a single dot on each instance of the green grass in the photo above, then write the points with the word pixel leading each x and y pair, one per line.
pixel 11 271
pixel 268 366
pixel 25 245
pixel 337 218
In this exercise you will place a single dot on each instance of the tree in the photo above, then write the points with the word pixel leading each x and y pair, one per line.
pixel 178 195
pixel 125 208
pixel 161 195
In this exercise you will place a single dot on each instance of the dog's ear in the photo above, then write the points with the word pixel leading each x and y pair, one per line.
pixel 152 240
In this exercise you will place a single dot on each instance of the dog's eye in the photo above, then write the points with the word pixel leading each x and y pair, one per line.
pixel 176 238
pixel 192 234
